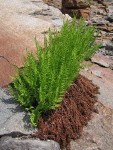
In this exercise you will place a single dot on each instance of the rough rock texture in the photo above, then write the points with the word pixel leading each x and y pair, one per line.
pixel 103 77
pixel 77 12
pixel 15 127
pixel 20 22
pixel 6 71
pixel 100 16
pixel 55 3
pixel 102 60
pixel 13 118
pixel 98 134
pixel 75 3
pixel 8 143
pixel 80 8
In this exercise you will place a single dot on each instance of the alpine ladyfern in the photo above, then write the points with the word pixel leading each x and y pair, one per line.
pixel 43 81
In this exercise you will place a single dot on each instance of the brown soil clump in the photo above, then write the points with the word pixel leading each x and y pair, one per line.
pixel 67 121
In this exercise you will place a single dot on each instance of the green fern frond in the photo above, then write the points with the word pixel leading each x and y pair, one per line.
pixel 47 75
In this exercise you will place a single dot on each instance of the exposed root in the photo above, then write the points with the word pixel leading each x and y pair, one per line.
pixel 67 121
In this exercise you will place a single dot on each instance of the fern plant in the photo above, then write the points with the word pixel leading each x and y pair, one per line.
pixel 46 76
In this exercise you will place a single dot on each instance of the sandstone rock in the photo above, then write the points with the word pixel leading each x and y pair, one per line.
pixel 106 28
pixel 102 60
pixel 25 19
pixel 8 143
pixel 103 78
pixel 97 73
pixel 98 134
pixel 106 73
pixel 6 71
pixel 85 13
pixel 98 10
pixel 75 3
pixel 78 8
pixel 55 3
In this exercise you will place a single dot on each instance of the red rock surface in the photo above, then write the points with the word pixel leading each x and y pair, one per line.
pixel 75 3
pixel 102 60
pixel 80 8
pixel 106 74
pixel 55 3
pixel 98 134
pixel 106 28
pixel 103 78
pixel 6 71
pixel 85 13
pixel 18 28
pixel 13 44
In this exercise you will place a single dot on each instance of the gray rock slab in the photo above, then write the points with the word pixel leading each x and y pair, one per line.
pixel 13 117
pixel 8 143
